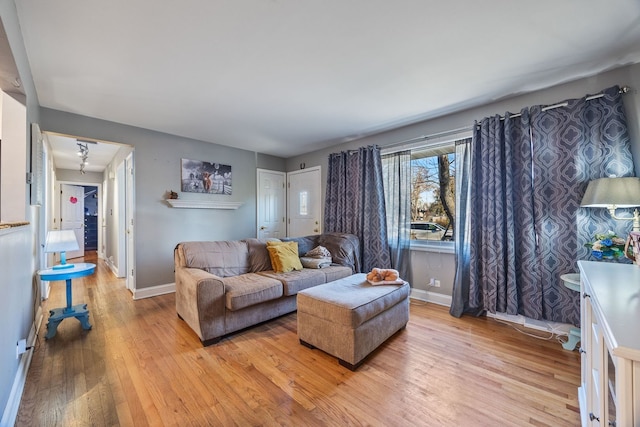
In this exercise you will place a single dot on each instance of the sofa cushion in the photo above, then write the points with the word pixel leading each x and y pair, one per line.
pixel 344 248
pixel 250 289
pixel 305 243
pixel 284 256
pixel 259 259
pixel 223 258
pixel 295 281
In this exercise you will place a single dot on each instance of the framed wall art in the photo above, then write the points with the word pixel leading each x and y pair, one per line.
pixel 204 177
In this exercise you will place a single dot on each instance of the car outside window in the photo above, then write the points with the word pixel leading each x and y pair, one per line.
pixel 433 194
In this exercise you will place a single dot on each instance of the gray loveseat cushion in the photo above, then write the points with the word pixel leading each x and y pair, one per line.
pixel 222 258
pixel 250 289
pixel 259 259
pixel 295 281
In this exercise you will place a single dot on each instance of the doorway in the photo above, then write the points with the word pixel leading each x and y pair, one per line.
pixel 303 214
pixel 103 201
pixel 91 209
pixel 305 202
pixel 271 204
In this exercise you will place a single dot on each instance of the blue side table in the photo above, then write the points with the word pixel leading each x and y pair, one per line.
pixel 79 311
pixel 572 281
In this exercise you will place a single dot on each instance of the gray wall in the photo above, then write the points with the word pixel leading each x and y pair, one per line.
pixel 19 248
pixel 157 169
pixel 427 264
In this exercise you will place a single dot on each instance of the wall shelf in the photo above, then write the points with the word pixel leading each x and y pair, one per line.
pixel 202 204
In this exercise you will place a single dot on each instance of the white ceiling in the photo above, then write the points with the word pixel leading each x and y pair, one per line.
pixel 284 77
pixel 66 149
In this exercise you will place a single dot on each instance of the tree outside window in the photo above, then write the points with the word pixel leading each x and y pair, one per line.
pixel 433 193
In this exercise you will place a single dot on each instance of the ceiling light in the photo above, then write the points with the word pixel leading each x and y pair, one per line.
pixel 83 152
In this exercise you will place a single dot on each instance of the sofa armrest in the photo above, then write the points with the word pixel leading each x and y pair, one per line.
pixel 200 301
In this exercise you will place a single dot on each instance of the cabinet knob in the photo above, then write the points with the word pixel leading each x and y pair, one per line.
pixel 593 417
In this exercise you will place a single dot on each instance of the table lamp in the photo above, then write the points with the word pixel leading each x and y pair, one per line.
pixel 61 241
pixel 613 193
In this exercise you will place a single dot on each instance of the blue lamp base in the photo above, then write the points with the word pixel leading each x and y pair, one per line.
pixel 63 262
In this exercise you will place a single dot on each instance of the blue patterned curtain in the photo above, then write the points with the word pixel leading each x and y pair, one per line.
pixel 572 145
pixel 355 203
pixel 497 236
pixel 396 169
pixel 524 227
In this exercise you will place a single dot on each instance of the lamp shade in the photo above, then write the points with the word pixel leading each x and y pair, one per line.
pixel 618 192
pixel 61 241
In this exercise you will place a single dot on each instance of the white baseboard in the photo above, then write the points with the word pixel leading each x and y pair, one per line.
pixel 154 291
pixel 113 268
pixel 433 297
pixel 13 404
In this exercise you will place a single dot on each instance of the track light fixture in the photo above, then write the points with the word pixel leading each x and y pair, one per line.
pixel 83 152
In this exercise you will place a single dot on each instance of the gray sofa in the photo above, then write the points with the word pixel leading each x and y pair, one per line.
pixel 225 286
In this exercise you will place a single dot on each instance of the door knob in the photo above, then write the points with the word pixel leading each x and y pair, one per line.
pixel 263 228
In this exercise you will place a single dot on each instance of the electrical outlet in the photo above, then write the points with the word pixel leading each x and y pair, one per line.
pixel 21 347
pixel 436 283
pixel 432 282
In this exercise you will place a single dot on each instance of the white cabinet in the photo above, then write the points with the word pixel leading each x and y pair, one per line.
pixel 610 323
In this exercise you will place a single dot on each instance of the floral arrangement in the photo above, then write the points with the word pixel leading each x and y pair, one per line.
pixel 607 245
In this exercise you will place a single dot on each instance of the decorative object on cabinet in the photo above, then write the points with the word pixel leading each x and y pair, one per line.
pixel 610 344
pixel 205 177
pixel 632 247
pixel 61 241
pixel 613 193
pixel 607 245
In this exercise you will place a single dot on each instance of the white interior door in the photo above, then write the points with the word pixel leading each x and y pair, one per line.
pixel 271 204
pixel 304 201
pixel 72 214
pixel 130 227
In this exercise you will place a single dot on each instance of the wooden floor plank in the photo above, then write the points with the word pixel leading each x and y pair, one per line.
pixel 141 365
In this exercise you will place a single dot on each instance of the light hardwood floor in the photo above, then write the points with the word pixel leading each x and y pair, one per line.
pixel 141 365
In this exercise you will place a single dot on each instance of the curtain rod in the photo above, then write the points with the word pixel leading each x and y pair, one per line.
pixel 623 90
pixel 427 137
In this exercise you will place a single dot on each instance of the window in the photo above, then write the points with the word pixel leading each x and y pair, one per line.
pixel 433 193
pixel 433 184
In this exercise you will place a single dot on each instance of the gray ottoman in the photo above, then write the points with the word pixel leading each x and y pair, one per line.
pixel 349 318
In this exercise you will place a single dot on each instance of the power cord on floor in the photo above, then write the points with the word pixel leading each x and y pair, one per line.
pixel 527 333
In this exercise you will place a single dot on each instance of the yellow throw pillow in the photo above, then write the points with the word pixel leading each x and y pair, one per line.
pixel 284 256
